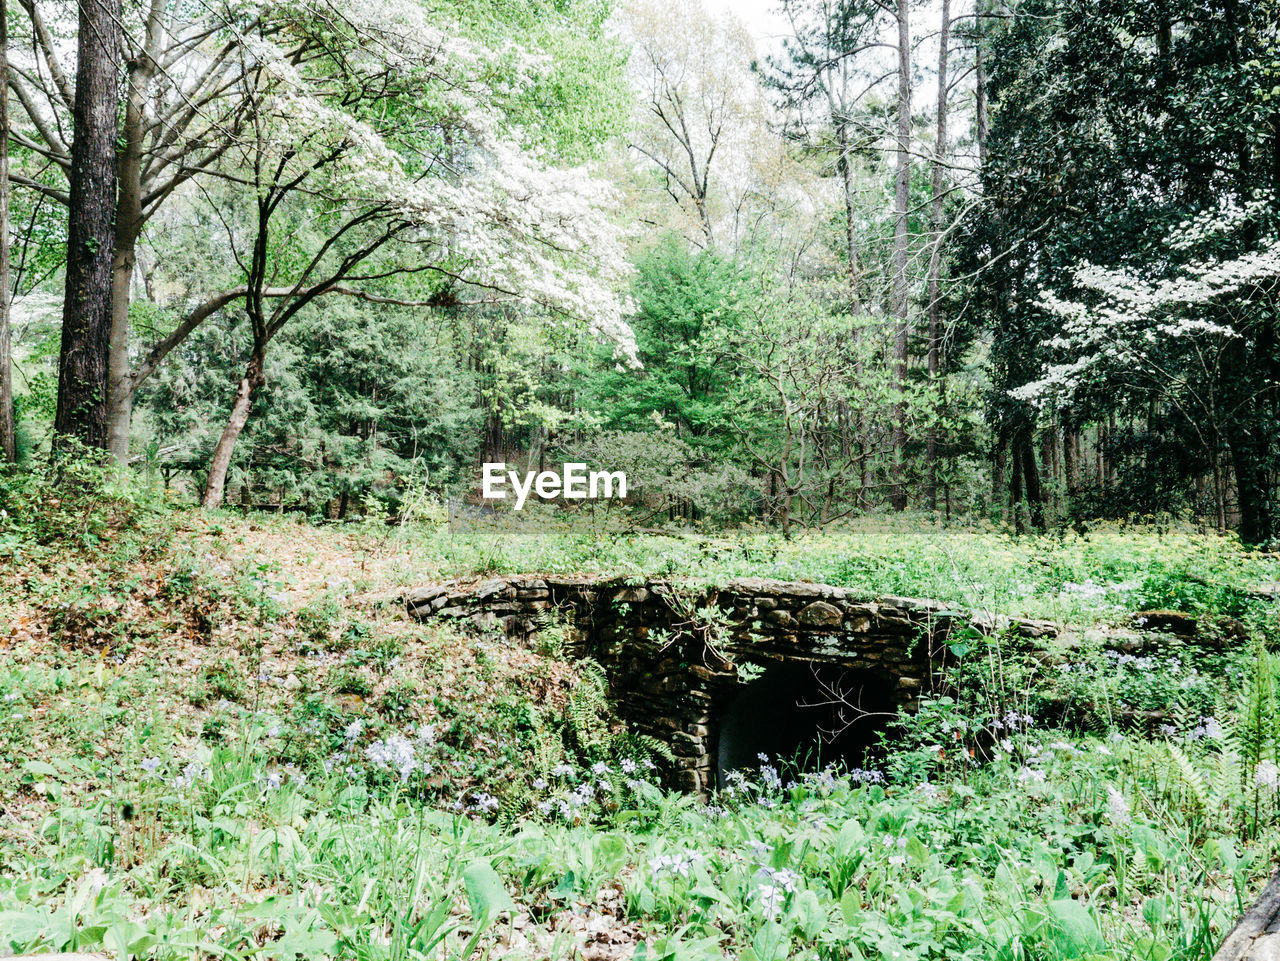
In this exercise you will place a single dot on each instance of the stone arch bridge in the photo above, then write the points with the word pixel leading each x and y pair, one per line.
pixel 719 673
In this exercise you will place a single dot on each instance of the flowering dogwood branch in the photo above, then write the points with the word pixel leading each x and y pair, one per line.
pixel 1131 319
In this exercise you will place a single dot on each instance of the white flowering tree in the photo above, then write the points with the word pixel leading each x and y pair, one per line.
pixel 188 108
pixel 378 148
pixel 1193 333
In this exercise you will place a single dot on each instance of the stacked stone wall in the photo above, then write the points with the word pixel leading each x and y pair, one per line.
pixel 675 655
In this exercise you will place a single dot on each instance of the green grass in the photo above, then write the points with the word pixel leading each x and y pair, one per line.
pixel 220 737
pixel 1067 576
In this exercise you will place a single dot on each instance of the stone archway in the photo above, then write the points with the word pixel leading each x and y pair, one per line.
pixel 806 715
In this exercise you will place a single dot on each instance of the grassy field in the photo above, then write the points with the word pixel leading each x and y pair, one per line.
pixel 1073 577
pixel 221 737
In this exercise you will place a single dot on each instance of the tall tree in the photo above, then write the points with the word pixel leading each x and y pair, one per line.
pixel 833 73
pixel 702 121
pixel 901 252
pixel 183 109
pixel 134 206
pixel 86 310
pixel 8 440
pixel 819 68
pixel 937 225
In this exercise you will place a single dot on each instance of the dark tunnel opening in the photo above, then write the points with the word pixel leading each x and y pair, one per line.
pixel 807 714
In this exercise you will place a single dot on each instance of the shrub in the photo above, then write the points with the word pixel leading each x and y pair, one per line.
pixel 80 500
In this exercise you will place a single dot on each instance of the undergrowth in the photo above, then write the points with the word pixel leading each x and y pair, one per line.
pixel 222 737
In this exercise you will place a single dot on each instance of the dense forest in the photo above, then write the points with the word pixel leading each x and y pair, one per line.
pixel 1017 260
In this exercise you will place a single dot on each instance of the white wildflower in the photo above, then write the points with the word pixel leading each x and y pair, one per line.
pixel 1117 807
pixel 770 899
pixel 1267 775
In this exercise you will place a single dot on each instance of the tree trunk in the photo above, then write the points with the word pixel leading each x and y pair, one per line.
pixel 86 308
pixel 998 464
pixel 1031 481
pixel 8 439
pixel 254 378
pixel 1071 464
pixel 121 384
pixel 853 422
pixel 1256 936
pixel 1049 461
pixel 492 443
pixel 980 88
pixel 901 239
pixel 935 262
pixel 1101 457
pixel 1015 488
pixel 1253 489
pixel 850 238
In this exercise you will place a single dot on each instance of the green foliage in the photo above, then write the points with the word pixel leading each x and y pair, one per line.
pixel 1180 587
pixel 220 682
pixel 338 422
pixel 352 681
pixel 688 312
pixel 78 501
pixel 1095 151
pixel 587 727
pixel 317 621
pixel 990 867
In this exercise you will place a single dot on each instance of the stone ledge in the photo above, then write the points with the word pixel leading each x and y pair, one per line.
pixel 672 678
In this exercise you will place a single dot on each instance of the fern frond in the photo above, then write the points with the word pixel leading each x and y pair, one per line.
pixel 1227 780
pixel 1254 730
pixel 1195 793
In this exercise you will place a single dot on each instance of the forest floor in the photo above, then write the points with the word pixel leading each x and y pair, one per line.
pixel 221 736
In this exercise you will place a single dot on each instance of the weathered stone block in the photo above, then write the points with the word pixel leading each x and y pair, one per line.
pixel 781 618
pixel 690 780
pixel 492 589
pixel 703 673
pixel 425 595
pixel 821 614
pixel 806 590
pixel 895 625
